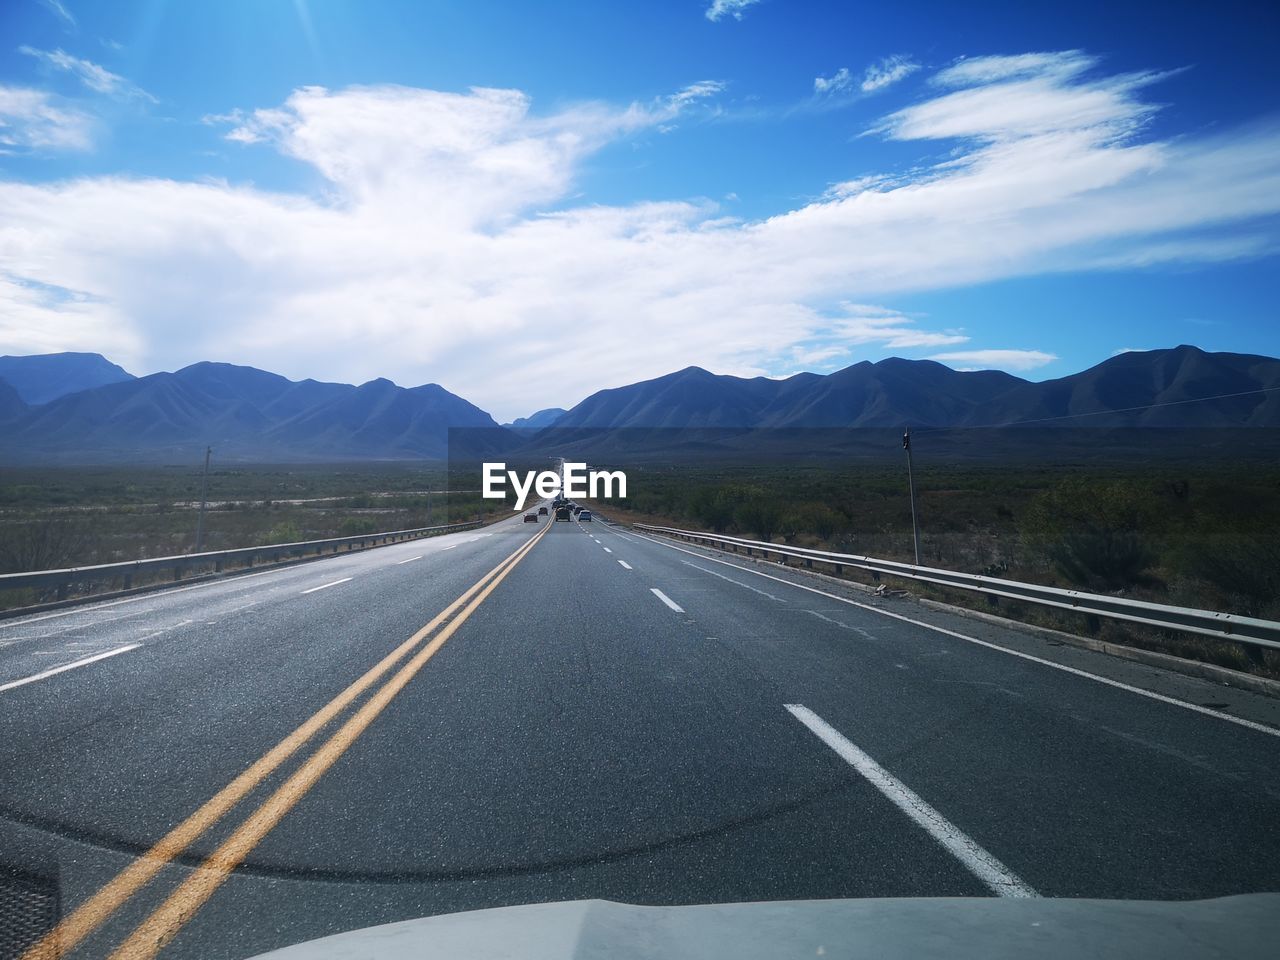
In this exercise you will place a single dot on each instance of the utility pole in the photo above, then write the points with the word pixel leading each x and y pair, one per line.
pixel 911 486
pixel 204 500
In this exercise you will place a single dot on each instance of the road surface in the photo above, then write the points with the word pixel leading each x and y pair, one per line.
pixel 571 710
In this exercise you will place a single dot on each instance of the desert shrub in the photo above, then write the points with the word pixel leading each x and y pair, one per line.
pixel 714 507
pixel 355 526
pixel 286 531
pixel 811 518
pixel 1096 533
pixel 759 515
pixel 1244 566
pixel 45 544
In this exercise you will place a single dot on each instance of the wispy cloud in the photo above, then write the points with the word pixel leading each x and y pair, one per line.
pixel 60 11
pixel 996 359
pixel 878 76
pixel 720 9
pixel 93 76
pixel 696 91
pixel 838 82
pixel 32 119
pixel 1012 98
pixel 855 325
pixel 887 72
pixel 449 236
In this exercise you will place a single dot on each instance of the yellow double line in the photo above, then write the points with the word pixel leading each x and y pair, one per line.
pixel 164 923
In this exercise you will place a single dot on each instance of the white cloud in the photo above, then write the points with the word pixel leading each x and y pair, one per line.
pixel 448 243
pixel 974 71
pixel 839 82
pixel 720 9
pixel 93 76
pixel 996 359
pixel 695 92
pixel 31 119
pixel 887 72
pixel 999 100
pixel 458 158
pixel 60 11
pixel 858 324
pixel 39 319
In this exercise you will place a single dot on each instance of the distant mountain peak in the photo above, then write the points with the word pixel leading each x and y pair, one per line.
pixel 537 421
pixel 42 378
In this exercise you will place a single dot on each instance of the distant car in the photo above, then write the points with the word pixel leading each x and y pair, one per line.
pixel 530 518
pixel 542 511
pixel 584 515
pixel 577 509
pixel 562 513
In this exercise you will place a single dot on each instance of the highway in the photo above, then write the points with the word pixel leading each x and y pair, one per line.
pixel 572 710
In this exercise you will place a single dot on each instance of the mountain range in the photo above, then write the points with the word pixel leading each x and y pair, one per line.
pixel 81 408
pixel 1134 389
pixel 247 414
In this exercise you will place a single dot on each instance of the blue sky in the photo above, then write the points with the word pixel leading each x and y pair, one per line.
pixel 529 202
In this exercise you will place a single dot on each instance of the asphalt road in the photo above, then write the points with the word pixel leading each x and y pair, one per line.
pixel 603 715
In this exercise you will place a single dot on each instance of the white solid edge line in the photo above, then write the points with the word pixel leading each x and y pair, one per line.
pixel 625 565
pixel 69 666
pixel 1193 707
pixel 409 560
pixel 324 586
pixel 1002 881
pixel 667 600
pixel 744 586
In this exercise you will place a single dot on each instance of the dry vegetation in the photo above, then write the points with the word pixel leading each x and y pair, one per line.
pixel 60 517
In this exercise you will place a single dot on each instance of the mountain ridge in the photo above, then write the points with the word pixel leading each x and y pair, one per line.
pixel 252 414
pixel 895 392
pixel 41 378
pixel 246 413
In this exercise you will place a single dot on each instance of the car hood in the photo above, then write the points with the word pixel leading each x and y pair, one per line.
pixel 948 929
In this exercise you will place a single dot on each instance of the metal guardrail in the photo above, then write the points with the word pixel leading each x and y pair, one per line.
pixel 212 561
pixel 1224 626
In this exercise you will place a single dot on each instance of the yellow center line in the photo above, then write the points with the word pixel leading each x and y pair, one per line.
pixel 107 900
pixel 169 918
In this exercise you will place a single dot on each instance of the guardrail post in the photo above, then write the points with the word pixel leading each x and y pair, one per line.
pixel 217 565
pixel 177 572
pixel 128 581
pixel 62 590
